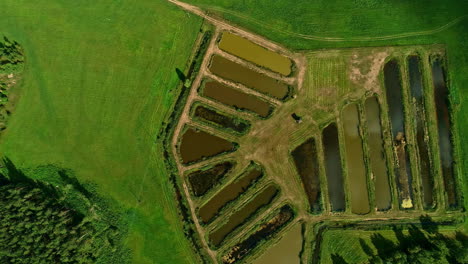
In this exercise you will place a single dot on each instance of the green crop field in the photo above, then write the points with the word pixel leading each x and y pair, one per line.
pixel 99 80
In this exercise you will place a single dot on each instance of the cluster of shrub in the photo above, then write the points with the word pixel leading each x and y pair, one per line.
pixel 39 225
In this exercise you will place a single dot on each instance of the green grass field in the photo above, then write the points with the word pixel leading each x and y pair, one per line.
pixel 346 243
pixel 99 80
pixel 324 24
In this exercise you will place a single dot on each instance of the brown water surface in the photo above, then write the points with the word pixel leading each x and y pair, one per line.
pixel 240 216
pixel 240 74
pixel 229 193
pixel 378 163
pixel 236 98
pixel 196 145
pixel 247 50
pixel 355 160
pixel 286 251
pixel 305 159
pixel 333 167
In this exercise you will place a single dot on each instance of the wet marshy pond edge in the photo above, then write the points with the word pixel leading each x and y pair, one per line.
pixel 442 105
pixel 204 179
pixel 263 232
pixel 417 94
pixel 394 95
pixel 219 119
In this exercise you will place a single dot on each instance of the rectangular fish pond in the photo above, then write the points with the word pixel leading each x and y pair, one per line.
pixel 237 73
pixel 355 160
pixel 247 50
pixel 442 102
pixel 378 163
pixel 229 193
pixel 196 145
pixel 236 98
pixel 239 217
pixel 305 159
pixel 394 93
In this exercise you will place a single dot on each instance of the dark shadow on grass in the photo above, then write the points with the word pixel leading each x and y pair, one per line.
pixel 337 259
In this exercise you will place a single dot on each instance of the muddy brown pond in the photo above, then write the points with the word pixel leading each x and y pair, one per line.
pixel 239 217
pixel 229 193
pixel 196 145
pixel 394 95
pixel 331 149
pixel 247 50
pixel 240 74
pixel 221 120
pixel 287 250
pixel 355 160
pixel 305 159
pixel 417 93
pixel 264 232
pixel 377 154
pixel 201 181
pixel 236 98
pixel 441 96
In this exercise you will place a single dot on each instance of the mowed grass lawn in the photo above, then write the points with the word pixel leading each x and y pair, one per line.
pixel 281 21
pixel 99 81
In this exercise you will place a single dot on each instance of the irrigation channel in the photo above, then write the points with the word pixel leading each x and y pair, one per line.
pixel 442 102
pixel 394 93
pixel 417 94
